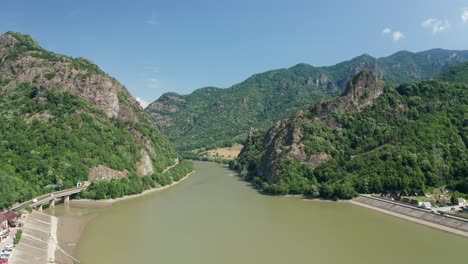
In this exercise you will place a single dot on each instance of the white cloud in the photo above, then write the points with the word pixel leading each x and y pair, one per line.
pixel 394 34
pixel 152 20
pixel 397 35
pixel 142 102
pixel 464 15
pixel 436 25
pixel 386 31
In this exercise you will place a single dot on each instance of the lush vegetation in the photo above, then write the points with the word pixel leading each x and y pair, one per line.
pixel 115 188
pixel 413 138
pixel 18 235
pixel 212 117
pixel 55 137
pixel 456 73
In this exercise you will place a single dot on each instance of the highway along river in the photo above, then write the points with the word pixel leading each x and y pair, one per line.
pixel 214 217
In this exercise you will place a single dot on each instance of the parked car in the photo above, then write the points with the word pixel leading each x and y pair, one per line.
pixel 34 200
pixel 10 246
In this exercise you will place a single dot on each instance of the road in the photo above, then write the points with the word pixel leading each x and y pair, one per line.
pixel 47 198
pixel 51 196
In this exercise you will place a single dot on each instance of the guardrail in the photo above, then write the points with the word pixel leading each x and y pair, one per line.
pixel 47 197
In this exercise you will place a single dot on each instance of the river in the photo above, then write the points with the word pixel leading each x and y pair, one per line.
pixel 214 217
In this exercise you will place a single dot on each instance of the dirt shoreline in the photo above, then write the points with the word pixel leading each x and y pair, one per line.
pixel 68 229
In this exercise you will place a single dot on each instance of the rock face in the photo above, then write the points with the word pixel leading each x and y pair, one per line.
pixel 22 61
pixel 284 140
pixel 102 172
pixel 77 76
pixel 145 165
pixel 361 92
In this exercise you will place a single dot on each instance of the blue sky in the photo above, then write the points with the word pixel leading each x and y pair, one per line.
pixel 154 47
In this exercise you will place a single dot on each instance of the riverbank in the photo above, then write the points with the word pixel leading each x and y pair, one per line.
pixel 68 229
pixel 107 202
pixel 38 242
pixel 415 215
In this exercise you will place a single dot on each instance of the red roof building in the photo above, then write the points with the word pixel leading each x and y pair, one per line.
pixel 3 221
pixel 8 218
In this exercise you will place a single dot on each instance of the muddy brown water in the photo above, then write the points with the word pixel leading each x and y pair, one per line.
pixel 213 217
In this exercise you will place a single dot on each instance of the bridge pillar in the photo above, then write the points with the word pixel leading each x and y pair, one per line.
pixel 66 199
pixel 52 203
pixel 40 208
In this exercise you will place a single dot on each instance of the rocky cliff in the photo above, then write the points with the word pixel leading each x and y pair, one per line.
pixel 63 119
pixel 23 60
pixel 374 137
pixel 284 139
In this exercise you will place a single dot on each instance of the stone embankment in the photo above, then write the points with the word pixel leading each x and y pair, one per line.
pixel 426 217
pixel 37 243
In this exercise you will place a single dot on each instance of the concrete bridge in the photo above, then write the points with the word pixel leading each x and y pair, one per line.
pixel 49 199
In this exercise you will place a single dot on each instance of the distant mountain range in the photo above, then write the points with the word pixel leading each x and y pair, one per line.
pixel 212 117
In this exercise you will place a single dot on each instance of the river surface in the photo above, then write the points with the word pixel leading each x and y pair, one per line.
pixel 214 217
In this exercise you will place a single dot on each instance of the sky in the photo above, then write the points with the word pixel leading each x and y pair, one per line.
pixel 153 47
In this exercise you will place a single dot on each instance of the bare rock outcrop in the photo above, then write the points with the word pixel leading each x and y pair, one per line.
pixel 102 172
pixel 284 140
pixel 145 165
pixel 80 77
pixel 360 93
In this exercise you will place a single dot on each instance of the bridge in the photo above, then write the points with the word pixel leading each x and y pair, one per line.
pixel 49 199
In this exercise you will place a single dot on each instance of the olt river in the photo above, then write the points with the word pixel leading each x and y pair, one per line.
pixel 214 217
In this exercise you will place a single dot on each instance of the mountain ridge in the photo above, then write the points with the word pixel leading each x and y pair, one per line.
pixel 190 120
pixel 62 120
pixel 410 137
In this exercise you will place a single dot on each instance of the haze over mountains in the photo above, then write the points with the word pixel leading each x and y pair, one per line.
pixel 212 117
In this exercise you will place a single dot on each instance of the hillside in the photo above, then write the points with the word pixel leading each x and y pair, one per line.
pixel 375 137
pixel 63 119
pixel 213 117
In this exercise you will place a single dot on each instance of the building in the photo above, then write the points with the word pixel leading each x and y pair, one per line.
pixel 426 205
pixel 8 219
pixel 4 231
pixel 3 221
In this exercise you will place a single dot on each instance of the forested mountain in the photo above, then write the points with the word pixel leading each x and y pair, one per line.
pixel 213 117
pixel 375 137
pixel 62 120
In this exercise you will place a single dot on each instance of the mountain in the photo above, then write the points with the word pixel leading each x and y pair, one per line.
pixel 213 117
pixel 375 137
pixel 63 119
